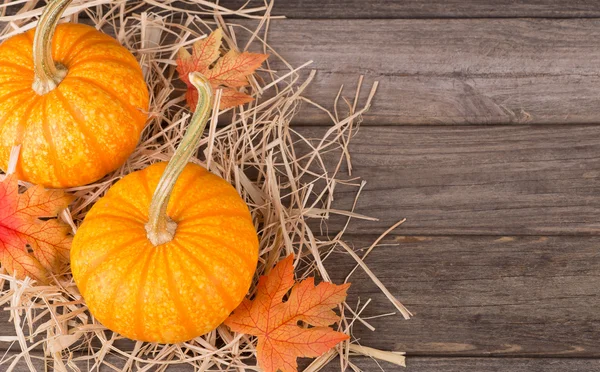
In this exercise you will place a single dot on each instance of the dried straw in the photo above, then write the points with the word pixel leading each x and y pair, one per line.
pixel 282 175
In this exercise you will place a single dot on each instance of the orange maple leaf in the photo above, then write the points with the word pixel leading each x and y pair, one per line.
pixel 275 323
pixel 22 230
pixel 229 72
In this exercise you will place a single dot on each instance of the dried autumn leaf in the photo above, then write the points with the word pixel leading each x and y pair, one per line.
pixel 275 323
pixel 229 72
pixel 21 226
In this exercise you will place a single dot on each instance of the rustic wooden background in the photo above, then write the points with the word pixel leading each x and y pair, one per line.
pixel 484 136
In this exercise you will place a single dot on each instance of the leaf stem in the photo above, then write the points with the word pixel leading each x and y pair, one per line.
pixel 160 228
pixel 48 74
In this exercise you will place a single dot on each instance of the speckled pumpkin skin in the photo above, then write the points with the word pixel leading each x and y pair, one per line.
pixel 88 125
pixel 178 290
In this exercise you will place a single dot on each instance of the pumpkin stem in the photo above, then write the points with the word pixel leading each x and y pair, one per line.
pixel 160 228
pixel 48 74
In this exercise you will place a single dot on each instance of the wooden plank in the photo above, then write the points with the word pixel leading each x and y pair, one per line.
pixel 390 9
pixel 475 296
pixel 416 364
pixel 501 180
pixel 481 296
pixel 475 71
pixel 487 365
pixel 353 9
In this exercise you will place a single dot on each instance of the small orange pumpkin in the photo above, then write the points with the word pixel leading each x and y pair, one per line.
pixel 170 250
pixel 73 98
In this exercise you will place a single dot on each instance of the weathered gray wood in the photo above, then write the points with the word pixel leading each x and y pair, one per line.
pixel 428 9
pixel 389 9
pixel 474 179
pixel 420 364
pixel 476 296
pixel 488 365
pixel 476 71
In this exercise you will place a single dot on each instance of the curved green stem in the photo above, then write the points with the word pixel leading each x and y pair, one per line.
pixel 160 228
pixel 47 73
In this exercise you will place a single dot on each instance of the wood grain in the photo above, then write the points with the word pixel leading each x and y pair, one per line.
pixel 467 71
pixel 481 296
pixel 390 9
pixel 486 365
pixel 476 180
pixel 353 9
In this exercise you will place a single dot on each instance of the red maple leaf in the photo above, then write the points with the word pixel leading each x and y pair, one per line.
pixel 22 230
pixel 275 323
pixel 230 71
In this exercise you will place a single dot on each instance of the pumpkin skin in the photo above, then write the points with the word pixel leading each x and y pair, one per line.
pixel 84 128
pixel 178 290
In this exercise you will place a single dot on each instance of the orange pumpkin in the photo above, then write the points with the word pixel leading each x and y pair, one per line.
pixel 170 250
pixel 73 98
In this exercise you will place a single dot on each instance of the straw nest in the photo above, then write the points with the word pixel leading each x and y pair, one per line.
pixel 280 174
